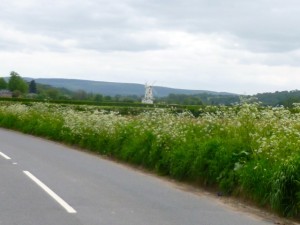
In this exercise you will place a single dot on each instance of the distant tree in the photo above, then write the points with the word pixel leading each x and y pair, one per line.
pixel 128 99
pixel 3 83
pixel 107 98
pixel 80 95
pixel 90 96
pixel 117 98
pixel 52 93
pixel 32 87
pixel 16 83
pixel 16 93
pixel 98 98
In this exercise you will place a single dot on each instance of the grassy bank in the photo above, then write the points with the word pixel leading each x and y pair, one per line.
pixel 244 150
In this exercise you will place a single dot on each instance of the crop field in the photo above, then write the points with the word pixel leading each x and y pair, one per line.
pixel 244 150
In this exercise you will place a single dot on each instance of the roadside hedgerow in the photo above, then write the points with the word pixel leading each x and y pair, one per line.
pixel 245 149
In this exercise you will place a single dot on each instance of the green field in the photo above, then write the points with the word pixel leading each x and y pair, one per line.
pixel 244 150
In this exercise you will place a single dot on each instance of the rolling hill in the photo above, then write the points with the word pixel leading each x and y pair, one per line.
pixel 112 89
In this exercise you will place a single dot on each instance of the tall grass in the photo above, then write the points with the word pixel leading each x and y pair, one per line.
pixel 243 150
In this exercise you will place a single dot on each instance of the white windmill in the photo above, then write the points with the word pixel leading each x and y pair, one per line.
pixel 148 99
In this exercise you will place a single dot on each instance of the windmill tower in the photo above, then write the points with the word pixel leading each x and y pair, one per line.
pixel 148 99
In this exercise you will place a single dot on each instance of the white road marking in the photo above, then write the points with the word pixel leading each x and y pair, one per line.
pixel 15 163
pixel 4 156
pixel 59 200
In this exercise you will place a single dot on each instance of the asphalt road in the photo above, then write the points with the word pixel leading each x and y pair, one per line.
pixel 44 183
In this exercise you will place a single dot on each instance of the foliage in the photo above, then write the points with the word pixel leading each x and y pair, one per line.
pixel 32 87
pixel 246 149
pixel 200 99
pixel 81 90
pixel 285 98
pixel 3 84
pixel 17 84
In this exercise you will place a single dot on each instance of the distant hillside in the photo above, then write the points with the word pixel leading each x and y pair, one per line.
pixel 285 98
pixel 79 89
pixel 112 89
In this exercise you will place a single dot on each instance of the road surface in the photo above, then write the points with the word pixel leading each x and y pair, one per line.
pixel 44 183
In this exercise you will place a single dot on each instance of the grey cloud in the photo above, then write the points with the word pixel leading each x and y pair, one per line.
pixel 112 42
pixel 60 18
pixel 290 60
pixel 98 25
pixel 259 26
pixel 262 25
pixel 8 46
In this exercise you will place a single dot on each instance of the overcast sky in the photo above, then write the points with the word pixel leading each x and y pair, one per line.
pixel 237 46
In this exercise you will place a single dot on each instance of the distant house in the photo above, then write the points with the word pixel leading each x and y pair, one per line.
pixel 5 94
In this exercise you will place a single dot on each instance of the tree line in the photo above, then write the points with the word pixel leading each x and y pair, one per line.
pixel 17 85
pixel 21 88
